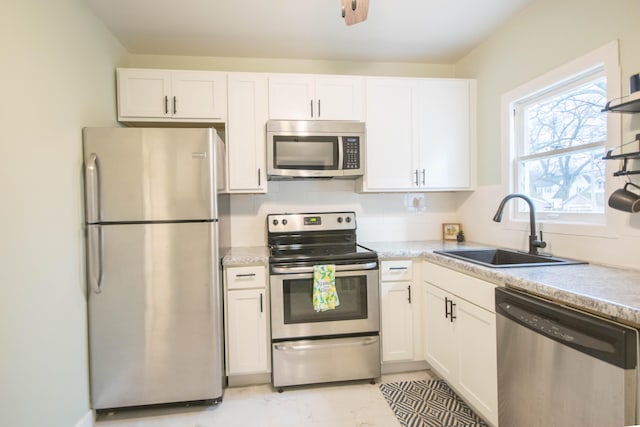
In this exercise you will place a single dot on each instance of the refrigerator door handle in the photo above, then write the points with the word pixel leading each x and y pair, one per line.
pixel 92 189
pixel 94 258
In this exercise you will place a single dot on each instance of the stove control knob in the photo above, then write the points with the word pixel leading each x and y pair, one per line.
pixel 340 219
pixel 284 222
pixel 275 222
pixel 348 219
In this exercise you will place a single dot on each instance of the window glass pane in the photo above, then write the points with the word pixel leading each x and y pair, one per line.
pixel 572 183
pixel 566 119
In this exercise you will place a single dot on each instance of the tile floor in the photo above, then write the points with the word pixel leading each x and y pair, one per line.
pixel 331 405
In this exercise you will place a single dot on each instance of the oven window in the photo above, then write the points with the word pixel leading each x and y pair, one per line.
pixel 298 301
pixel 306 152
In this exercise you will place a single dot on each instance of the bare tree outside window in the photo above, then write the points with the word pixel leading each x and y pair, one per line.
pixel 561 141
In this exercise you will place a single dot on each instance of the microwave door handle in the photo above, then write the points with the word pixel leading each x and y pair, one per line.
pixel 340 152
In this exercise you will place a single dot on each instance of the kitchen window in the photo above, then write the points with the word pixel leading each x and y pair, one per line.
pixel 558 136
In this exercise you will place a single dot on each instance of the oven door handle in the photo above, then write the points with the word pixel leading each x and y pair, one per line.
pixel 348 267
pixel 324 344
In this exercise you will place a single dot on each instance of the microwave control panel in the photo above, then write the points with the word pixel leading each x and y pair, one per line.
pixel 351 146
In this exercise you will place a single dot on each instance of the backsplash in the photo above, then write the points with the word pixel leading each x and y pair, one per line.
pixel 380 216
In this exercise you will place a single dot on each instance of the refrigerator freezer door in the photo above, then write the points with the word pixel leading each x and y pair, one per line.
pixel 155 325
pixel 150 174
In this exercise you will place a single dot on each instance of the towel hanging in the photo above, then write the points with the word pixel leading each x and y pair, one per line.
pixel 325 296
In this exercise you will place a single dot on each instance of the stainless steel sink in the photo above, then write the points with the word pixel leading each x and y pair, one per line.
pixel 502 258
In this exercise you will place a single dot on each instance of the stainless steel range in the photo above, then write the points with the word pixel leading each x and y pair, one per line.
pixel 312 345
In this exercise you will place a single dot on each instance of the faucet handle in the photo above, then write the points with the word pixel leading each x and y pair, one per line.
pixel 539 243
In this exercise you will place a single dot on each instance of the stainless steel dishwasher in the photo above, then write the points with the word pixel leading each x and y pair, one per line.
pixel 562 367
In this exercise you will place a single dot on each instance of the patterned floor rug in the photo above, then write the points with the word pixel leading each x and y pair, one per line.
pixel 428 403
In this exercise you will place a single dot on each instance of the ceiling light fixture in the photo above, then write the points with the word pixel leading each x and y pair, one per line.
pixel 354 11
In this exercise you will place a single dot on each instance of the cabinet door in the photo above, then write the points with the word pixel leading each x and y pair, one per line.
pixel 248 113
pixel 143 93
pixel 389 135
pixel 477 369
pixel 338 98
pixel 439 339
pixel 247 343
pixel 443 133
pixel 291 97
pixel 199 95
pixel 397 322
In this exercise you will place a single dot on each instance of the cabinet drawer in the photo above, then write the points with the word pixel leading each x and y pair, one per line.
pixel 396 270
pixel 474 290
pixel 246 277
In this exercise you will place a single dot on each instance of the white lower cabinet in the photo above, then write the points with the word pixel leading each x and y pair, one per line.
pixel 400 312
pixel 247 321
pixel 460 335
pixel 397 322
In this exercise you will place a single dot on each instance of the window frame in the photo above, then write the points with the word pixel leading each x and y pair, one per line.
pixel 606 57
pixel 519 143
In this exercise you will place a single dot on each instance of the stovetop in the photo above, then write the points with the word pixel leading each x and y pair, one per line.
pixel 315 237
pixel 322 254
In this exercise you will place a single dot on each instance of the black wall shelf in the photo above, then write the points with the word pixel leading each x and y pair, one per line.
pixel 631 107
pixel 625 157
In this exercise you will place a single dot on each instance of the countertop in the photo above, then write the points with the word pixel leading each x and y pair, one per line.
pixel 607 291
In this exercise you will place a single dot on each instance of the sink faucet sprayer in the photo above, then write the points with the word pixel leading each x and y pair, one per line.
pixel 534 243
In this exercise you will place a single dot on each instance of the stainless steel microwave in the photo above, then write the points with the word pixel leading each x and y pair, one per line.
pixel 315 149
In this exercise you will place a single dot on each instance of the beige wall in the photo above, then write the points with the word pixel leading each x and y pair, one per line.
pixel 291 66
pixel 541 38
pixel 57 76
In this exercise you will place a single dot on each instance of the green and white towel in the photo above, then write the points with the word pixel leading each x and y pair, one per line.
pixel 325 296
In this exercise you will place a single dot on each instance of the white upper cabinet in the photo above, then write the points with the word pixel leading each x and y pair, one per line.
pixel 419 134
pixel 171 95
pixel 443 133
pixel 248 113
pixel 390 144
pixel 315 97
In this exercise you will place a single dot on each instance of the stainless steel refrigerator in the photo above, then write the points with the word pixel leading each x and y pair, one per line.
pixel 154 288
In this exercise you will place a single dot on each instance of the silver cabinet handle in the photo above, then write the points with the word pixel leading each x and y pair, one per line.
pixel 92 188
pixel 259 177
pixel 417 182
pixel 424 176
pixel 311 103
pixel 166 104
pixel 246 275
pixel 409 289
pixel 261 302
pixel 319 108
pixel 397 268
pixel 175 106
pixel 94 257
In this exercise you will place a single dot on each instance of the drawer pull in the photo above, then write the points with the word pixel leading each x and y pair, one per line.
pixel 397 268
pixel 246 275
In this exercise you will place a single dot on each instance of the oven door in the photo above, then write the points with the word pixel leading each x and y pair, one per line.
pixel 292 312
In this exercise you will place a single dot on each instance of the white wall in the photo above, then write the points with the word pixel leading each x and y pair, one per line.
pixel 57 76
pixel 380 217
pixel 541 38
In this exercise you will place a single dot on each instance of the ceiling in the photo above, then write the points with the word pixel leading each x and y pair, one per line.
pixel 421 31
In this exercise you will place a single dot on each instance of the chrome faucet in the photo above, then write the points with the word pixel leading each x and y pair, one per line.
pixel 534 243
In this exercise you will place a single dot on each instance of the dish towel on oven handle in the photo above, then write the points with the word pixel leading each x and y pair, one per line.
pixel 325 296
